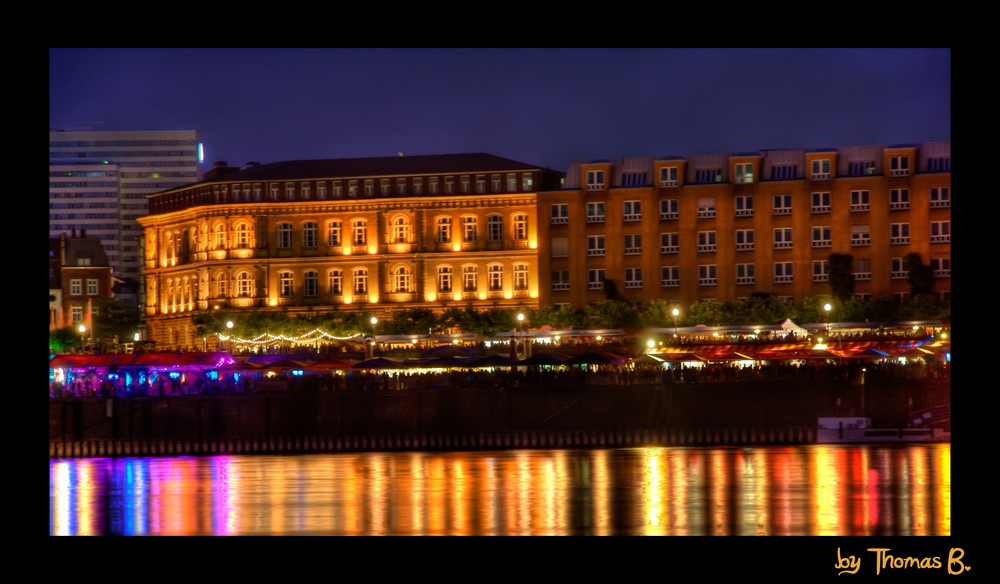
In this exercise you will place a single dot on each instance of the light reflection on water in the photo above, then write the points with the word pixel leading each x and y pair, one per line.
pixel 799 490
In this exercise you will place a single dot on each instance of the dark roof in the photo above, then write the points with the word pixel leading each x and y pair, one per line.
pixel 364 167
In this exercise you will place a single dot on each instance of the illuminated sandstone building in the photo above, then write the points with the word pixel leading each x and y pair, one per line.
pixel 376 235
pixel 724 226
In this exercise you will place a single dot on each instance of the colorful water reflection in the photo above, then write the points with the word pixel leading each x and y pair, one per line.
pixel 806 490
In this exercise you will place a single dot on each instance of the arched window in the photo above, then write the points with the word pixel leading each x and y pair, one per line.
pixel 310 233
pixel 333 233
pixel 285 235
pixel 336 279
pixel 495 275
pixel 220 236
pixel 359 232
pixel 494 228
pixel 444 230
pixel 402 279
pixel 520 276
pixel 221 285
pixel 400 230
pixel 470 278
pixel 444 279
pixel 469 231
pixel 285 284
pixel 361 281
pixel 244 285
pixel 310 282
pixel 520 227
pixel 243 233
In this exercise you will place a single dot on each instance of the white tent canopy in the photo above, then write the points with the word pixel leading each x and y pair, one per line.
pixel 789 326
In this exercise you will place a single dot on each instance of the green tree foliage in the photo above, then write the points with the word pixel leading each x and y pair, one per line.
pixel 613 314
pixel 921 275
pixel 841 276
pixel 64 339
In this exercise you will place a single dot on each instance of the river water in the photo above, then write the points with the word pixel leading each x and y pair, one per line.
pixel 844 490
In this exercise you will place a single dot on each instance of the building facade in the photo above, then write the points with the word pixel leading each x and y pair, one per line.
pixel 80 277
pixel 99 181
pixel 376 235
pixel 724 226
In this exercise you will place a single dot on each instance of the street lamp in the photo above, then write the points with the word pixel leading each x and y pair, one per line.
pixel 83 336
pixel 675 312
pixel 229 325
pixel 374 322
pixel 827 308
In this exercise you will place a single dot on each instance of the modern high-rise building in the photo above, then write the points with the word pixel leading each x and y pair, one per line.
pixel 725 226
pixel 99 181
pixel 372 235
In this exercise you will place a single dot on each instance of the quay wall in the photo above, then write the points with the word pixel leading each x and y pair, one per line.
pixel 312 419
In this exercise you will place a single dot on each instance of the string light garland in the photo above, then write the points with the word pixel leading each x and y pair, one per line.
pixel 312 336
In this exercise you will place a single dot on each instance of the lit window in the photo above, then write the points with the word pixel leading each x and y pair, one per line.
pixel 285 284
pixel 520 276
pixel 744 173
pixel 495 276
pixel 444 230
pixel 444 279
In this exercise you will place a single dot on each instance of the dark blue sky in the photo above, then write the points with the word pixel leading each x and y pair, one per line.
pixel 546 107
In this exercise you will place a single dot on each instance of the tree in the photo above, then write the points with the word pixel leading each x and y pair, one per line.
pixel 64 339
pixel 921 276
pixel 841 276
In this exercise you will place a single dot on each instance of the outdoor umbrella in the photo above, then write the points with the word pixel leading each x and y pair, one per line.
pixel 494 361
pixel 597 358
pixel 543 359
pixel 378 363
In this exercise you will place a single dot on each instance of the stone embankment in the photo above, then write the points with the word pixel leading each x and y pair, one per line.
pixel 582 416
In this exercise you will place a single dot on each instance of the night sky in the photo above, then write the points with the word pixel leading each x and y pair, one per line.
pixel 545 107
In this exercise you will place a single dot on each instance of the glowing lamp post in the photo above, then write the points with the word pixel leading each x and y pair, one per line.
pixel 229 327
pixel 83 336
pixel 675 312
pixel 520 327
pixel 374 322
pixel 827 308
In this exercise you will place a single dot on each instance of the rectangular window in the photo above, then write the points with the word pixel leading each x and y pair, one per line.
pixel 595 212
pixel 633 277
pixel 560 280
pixel 783 172
pixel 940 198
pixel 444 279
pixel 897 270
pixel 707 275
pixel 860 236
pixel 862 269
pixel 352 188
pixel 670 276
pixel 783 238
pixel 668 209
pixel 746 273
pixel 310 281
pixel 321 190
pixel 595 245
pixel 336 283
pixel 708 175
pixel 480 184
pixel 444 230
pixel 941 267
pixel 466 182
pixel 633 244
pixel 744 173
pixel 861 168
pixel 821 169
pixel 495 182
pixel 821 271
pixel 706 207
pixel 449 185
pixel 744 239
pixel 401 187
pixel 559 247
pixel 744 206
pixel 527 182
pixel 595 180
pixel 369 187
pixel 939 164
pixel 418 186
pixel 668 176
pixel 899 166
pixel 333 233
pixel 820 203
pixel 633 179
pixel 899 199
pixel 520 276
pixel 92 286
pixel 632 211
pixel 706 241
pixel 494 275
pixel 669 242
pixel 821 236
pixel 782 272
pixel 940 231
pixel 560 214
pixel 511 182
pixel 860 201
pixel 782 204
pixel 432 185
pixel 899 233
pixel 494 228
pixel 595 279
